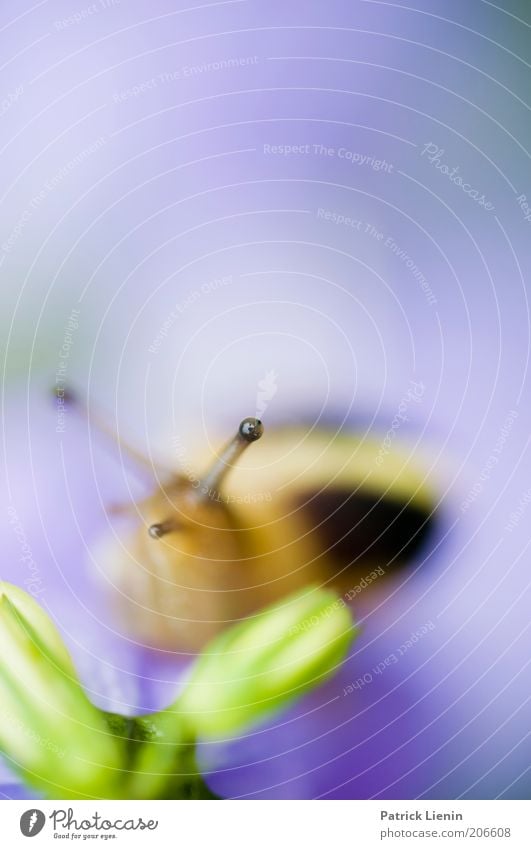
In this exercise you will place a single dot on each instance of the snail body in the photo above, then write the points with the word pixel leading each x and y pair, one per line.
pixel 297 509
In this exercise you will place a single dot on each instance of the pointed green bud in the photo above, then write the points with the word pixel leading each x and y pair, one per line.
pixel 49 730
pixel 266 662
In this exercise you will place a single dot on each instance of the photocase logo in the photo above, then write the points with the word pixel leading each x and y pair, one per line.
pixel 267 389
pixel 32 822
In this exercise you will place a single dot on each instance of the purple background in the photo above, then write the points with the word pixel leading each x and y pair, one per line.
pixel 178 192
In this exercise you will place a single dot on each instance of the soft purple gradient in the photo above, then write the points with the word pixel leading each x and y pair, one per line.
pixel 181 193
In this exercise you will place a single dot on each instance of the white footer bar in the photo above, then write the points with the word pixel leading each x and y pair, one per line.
pixel 268 824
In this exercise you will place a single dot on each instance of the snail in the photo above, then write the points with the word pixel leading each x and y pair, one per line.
pixel 274 512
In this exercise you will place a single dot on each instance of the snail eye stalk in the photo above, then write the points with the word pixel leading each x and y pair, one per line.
pixel 249 431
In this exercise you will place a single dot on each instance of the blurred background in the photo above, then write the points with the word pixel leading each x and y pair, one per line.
pixel 197 196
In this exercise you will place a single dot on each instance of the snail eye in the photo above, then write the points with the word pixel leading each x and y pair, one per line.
pixel 362 530
pixel 251 429
pixel 161 529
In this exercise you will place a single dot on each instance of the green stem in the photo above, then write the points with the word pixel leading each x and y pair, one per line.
pixel 159 758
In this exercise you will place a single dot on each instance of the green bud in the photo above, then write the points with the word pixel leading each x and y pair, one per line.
pixel 49 730
pixel 264 663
